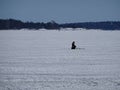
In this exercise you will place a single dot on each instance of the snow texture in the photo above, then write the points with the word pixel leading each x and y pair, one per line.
pixel 43 60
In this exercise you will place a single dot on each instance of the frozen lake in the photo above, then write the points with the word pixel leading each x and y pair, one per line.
pixel 43 60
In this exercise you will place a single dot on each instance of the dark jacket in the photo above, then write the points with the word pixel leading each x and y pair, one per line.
pixel 73 45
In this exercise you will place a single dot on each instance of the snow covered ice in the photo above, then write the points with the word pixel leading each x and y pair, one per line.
pixel 43 60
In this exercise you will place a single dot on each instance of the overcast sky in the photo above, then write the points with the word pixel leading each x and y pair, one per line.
pixel 61 11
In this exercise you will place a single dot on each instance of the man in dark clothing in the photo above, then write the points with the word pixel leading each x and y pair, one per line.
pixel 73 45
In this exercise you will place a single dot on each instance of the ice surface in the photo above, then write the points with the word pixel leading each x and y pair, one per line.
pixel 43 60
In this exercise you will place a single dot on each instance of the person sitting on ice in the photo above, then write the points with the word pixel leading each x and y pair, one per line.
pixel 73 45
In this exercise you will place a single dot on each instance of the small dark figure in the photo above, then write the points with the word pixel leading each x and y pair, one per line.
pixel 73 45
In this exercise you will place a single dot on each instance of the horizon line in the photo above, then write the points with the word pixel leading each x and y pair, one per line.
pixel 61 23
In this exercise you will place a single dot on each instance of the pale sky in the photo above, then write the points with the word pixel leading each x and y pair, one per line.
pixel 61 11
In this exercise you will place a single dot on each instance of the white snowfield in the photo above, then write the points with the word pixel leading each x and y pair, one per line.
pixel 43 60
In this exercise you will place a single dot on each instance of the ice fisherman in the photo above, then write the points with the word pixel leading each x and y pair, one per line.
pixel 73 45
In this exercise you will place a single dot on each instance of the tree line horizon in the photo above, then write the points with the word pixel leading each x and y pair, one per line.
pixel 6 24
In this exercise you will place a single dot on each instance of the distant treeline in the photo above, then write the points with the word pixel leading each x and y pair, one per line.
pixel 17 24
pixel 108 25
pixel 6 24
